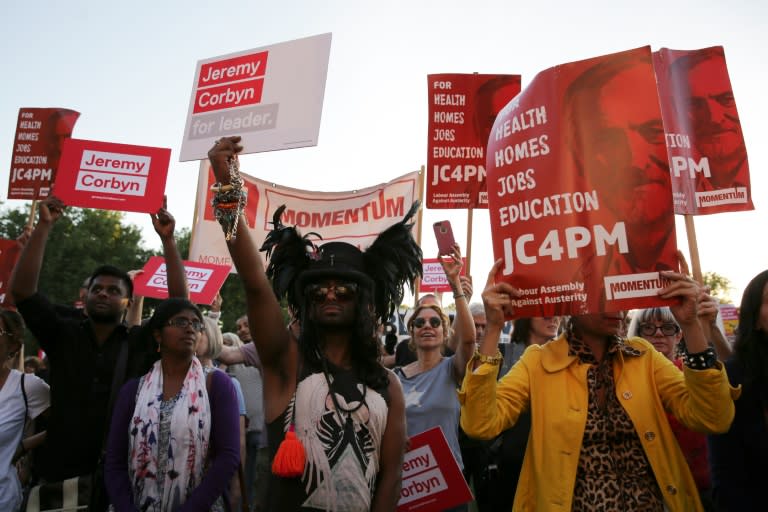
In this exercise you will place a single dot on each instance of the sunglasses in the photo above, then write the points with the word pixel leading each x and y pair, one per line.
pixel 183 323
pixel 343 292
pixel 434 322
pixel 666 329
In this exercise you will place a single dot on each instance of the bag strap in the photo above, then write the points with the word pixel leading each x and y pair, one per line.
pixel 26 400
pixel 117 379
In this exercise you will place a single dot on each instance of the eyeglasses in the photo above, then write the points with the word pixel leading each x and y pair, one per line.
pixel 343 292
pixel 3 332
pixel 666 329
pixel 434 322
pixel 183 323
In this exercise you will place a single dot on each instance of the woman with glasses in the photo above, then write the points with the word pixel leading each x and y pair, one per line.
pixel 659 327
pixel 173 443
pixel 430 382
pixel 600 438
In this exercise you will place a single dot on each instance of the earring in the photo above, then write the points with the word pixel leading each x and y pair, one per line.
pixel 158 346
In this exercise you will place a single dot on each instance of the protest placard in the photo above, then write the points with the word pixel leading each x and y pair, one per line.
pixel 204 280
pixel 462 108
pixel 271 96
pixel 431 479
pixel 579 191
pixel 112 176
pixel 37 146
pixel 707 153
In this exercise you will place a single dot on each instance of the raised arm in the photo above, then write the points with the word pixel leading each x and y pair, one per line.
pixel 26 273
pixel 264 313
pixel 164 225
pixel 708 310
pixel 463 325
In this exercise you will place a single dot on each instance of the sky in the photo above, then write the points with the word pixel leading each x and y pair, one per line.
pixel 128 67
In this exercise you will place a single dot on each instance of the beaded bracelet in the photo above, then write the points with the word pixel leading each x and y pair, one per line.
pixel 230 200
pixel 701 360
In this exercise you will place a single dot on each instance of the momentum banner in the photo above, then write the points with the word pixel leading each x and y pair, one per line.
pixel 271 96
pixel 579 191
pixel 462 109
pixel 356 217
pixel 707 153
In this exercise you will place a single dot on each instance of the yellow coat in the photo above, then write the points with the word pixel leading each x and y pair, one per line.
pixel 553 385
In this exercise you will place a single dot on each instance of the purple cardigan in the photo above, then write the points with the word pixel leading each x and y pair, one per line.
pixel 224 447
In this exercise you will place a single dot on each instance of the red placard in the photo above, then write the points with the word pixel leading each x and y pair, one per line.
pixel 434 279
pixel 204 280
pixel 112 176
pixel 462 109
pixel 9 255
pixel 580 199
pixel 432 479
pixel 37 148
pixel 707 153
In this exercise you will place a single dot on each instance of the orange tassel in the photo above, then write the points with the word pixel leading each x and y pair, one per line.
pixel 290 457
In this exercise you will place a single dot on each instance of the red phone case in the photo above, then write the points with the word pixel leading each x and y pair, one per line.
pixel 444 236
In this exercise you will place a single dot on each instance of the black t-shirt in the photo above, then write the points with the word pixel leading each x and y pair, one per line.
pixel 81 375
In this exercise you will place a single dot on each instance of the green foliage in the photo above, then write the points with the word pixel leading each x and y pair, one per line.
pixel 719 286
pixel 79 242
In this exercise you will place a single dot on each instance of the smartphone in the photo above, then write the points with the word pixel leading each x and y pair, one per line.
pixel 444 236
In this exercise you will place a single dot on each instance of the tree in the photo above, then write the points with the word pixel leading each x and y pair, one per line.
pixel 79 242
pixel 719 286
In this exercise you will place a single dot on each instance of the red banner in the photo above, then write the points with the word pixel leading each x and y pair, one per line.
pixel 204 280
pixel 707 153
pixel 37 146
pixel 432 479
pixel 9 255
pixel 462 109
pixel 580 199
pixel 112 176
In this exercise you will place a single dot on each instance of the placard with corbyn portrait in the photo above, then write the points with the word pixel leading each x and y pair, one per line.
pixel 462 109
pixel 579 191
pixel 707 153
pixel 37 146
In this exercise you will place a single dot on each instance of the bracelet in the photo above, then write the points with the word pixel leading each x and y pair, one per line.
pixel 230 200
pixel 495 359
pixel 218 187
pixel 701 360
pixel 459 296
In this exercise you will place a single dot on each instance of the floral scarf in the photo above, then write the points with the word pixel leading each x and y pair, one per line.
pixel 157 488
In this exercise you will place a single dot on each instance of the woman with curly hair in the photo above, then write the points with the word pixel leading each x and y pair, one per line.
pixel 335 415
pixel 739 458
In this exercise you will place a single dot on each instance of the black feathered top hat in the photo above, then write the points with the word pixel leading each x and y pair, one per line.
pixel 393 260
pixel 335 259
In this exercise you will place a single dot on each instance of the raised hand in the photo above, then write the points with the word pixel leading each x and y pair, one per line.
pixel 452 264
pixel 163 221
pixel 224 150
pixel 498 297
pixel 50 210
pixel 688 291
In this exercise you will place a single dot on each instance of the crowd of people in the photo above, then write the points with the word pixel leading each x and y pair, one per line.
pixel 305 408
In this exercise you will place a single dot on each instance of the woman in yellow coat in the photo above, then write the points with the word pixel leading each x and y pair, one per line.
pixel 599 438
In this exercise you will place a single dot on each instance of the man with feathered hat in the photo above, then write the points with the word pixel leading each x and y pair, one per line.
pixel 336 413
